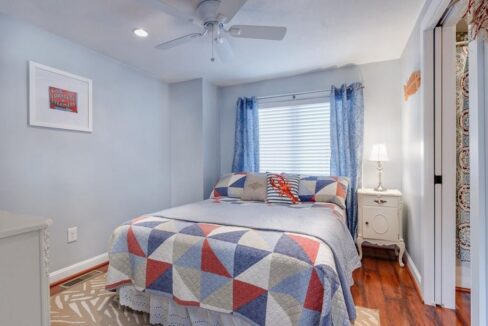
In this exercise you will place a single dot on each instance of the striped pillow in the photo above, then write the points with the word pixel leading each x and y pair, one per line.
pixel 282 188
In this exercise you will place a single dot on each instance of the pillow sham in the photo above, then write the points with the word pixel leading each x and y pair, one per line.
pixel 230 185
pixel 282 188
pixel 324 189
pixel 255 187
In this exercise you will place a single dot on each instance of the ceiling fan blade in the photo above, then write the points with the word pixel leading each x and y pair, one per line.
pixel 178 41
pixel 258 32
pixel 228 9
pixel 224 50
pixel 173 11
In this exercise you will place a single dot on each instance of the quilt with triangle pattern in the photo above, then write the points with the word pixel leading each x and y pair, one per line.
pixel 266 277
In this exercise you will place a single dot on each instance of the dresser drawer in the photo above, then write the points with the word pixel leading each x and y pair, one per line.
pixel 381 201
pixel 380 223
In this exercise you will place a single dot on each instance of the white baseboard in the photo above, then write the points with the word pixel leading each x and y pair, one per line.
pixel 463 275
pixel 414 271
pixel 78 267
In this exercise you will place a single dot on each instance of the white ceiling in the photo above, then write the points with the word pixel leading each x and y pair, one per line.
pixel 321 34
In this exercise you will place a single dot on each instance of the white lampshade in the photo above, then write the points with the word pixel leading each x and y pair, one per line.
pixel 379 153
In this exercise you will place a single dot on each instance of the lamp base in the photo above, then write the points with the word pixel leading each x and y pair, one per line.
pixel 380 188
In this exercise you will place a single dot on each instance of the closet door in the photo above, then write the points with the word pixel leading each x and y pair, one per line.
pixel 445 165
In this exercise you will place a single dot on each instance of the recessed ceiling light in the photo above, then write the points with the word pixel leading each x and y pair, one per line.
pixel 140 32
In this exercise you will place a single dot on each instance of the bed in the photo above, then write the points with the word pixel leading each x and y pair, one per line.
pixel 231 262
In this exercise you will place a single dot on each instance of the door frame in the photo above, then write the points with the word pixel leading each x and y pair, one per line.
pixel 478 71
pixel 478 103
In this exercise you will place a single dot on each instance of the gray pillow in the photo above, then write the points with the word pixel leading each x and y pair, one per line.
pixel 255 187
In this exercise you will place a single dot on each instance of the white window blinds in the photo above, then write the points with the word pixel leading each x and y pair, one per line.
pixel 295 139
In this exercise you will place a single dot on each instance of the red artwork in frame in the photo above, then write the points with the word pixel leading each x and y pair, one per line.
pixel 63 100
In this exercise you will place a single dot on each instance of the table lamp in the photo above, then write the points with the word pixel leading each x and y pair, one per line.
pixel 380 155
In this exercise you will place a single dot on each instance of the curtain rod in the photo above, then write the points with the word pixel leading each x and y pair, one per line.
pixel 308 98
pixel 295 94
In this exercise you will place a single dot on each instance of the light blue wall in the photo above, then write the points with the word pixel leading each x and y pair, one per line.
pixel 413 141
pixel 211 137
pixel 186 103
pixel 195 144
pixel 382 121
pixel 95 180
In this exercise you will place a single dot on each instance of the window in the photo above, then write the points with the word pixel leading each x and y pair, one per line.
pixel 295 139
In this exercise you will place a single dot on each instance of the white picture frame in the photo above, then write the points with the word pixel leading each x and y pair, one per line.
pixel 58 99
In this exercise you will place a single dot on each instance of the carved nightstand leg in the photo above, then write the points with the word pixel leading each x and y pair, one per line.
pixel 359 242
pixel 401 246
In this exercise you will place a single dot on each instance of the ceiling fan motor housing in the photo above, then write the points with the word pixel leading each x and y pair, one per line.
pixel 207 10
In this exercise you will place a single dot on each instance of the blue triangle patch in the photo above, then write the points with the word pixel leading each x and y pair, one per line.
pixel 239 183
pixel 245 257
pixel 307 197
pixel 210 283
pixel 164 283
pixel 295 285
pixel 256 309
pixel 225 252
pixel 310 317
pixel 193 229
pixel 120 243
pixel 136 262
pixel 233 236
pixel 192 257
pixel 156 238
pixel 289 247
pixel 223 191
pixel 321 184
pixel 149 224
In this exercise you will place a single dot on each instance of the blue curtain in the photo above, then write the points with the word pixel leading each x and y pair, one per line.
pixel 246 148
pixel 346 128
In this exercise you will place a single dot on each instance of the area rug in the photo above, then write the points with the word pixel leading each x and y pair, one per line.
pixel 88 303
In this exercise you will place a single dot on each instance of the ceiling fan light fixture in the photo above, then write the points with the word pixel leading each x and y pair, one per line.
pixel 140 32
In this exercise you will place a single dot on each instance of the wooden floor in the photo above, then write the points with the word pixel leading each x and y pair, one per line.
pixel 382 284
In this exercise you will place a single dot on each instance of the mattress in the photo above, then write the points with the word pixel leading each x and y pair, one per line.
pixel 265 264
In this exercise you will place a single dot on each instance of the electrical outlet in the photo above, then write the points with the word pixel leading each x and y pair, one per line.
pixel 72 234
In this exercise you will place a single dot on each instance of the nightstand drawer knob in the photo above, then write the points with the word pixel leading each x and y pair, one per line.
pixel 367 223
pixel 380 201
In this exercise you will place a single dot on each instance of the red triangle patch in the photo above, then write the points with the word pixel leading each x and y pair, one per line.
pixel 210 261
pixel 311 247
pixel 154 269
pixel 133 244
pixel 244 293
pixel 315 293
pixel 137 219
pixel 186 303
pixel 207 228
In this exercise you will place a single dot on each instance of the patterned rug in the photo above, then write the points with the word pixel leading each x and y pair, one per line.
pixel 88 303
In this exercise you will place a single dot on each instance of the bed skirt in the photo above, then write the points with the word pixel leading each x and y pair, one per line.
pixel 163 310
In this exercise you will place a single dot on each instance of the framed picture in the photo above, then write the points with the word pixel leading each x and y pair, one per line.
pixel 58 99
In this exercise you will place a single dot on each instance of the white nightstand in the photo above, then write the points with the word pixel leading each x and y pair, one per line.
pixel 380 220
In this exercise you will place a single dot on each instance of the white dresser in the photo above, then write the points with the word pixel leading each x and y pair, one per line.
pixel 381 220
pixel 24 279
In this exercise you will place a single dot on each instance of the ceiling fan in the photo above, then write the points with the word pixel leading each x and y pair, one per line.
pixel 213 16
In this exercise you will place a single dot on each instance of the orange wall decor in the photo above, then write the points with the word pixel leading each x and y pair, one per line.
pixel 413 84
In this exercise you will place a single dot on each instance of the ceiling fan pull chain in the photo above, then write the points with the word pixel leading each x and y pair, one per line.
pixel 213 41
